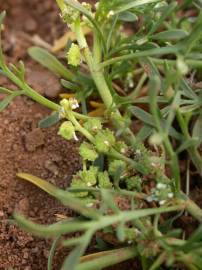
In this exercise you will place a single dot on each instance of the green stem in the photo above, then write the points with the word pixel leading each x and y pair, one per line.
pixel 158 262
pixel 190 62
pixel 153 89
pixel 70 116
pixel 28 91
pixel 136 91
pixel 92 64
pixel 147 53
pixel 137 166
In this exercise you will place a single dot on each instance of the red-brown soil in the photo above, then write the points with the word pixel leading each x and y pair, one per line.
pixel 25 148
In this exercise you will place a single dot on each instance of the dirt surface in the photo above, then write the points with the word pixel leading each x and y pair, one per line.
pixel 24 147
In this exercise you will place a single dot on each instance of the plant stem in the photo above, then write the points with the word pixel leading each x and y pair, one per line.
pixel 28 91
pixel 154 88
pixel 147 53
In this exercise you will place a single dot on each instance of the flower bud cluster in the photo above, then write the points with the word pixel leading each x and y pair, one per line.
pixel 90 178
pixel 162 193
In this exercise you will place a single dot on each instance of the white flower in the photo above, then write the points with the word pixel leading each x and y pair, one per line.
pixel 73 103
pixel 138 152
pixel 89 205
pixel 110 14
pixel 161 186
pixel 162 202
pixel 97 5
pixel 106 142
pixel 123 150
pixel 170 195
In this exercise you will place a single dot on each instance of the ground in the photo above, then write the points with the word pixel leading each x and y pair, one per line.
pixel 25 148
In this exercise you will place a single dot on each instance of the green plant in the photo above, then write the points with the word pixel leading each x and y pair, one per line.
pixel 127 195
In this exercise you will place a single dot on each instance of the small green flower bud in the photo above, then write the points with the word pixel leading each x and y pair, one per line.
pixel 69 15
pixel 89 177
pixel 67 131
pixel 134 183
pixel 74 55
pixel 87 6
pixel 104 140
pixel 87 151
pixel 65 104
pixel 182 66
pixel 103 180
pixel 156 139
pixel 93 125
pixel 121 147
pixel 78 183
pixel 116 165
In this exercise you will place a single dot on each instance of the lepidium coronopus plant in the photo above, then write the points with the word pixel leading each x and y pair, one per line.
pixel 129 187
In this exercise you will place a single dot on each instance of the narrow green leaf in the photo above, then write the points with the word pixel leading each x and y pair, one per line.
pixel 50 120
pixel 7 100
pixel 197 129
pixel 64 196
pixel 174 34
pixel 194 37
pixel 52 252
pixel 142 115
pixel 127 16
pixel 69 85
pixel 189 108
pixel 148 119
pixel 195 237
pixel 49 61
pixel 166 13
pixel 73 259
pixel 108 258
pixel 187 144
pixel 2 16
pixel 134 4
pixel 5 90
pixel 109 201
pixel 187 91
pixel 144 132
pixel 55 229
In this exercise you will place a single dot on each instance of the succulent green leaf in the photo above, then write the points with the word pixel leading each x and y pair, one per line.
pixel 7 100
